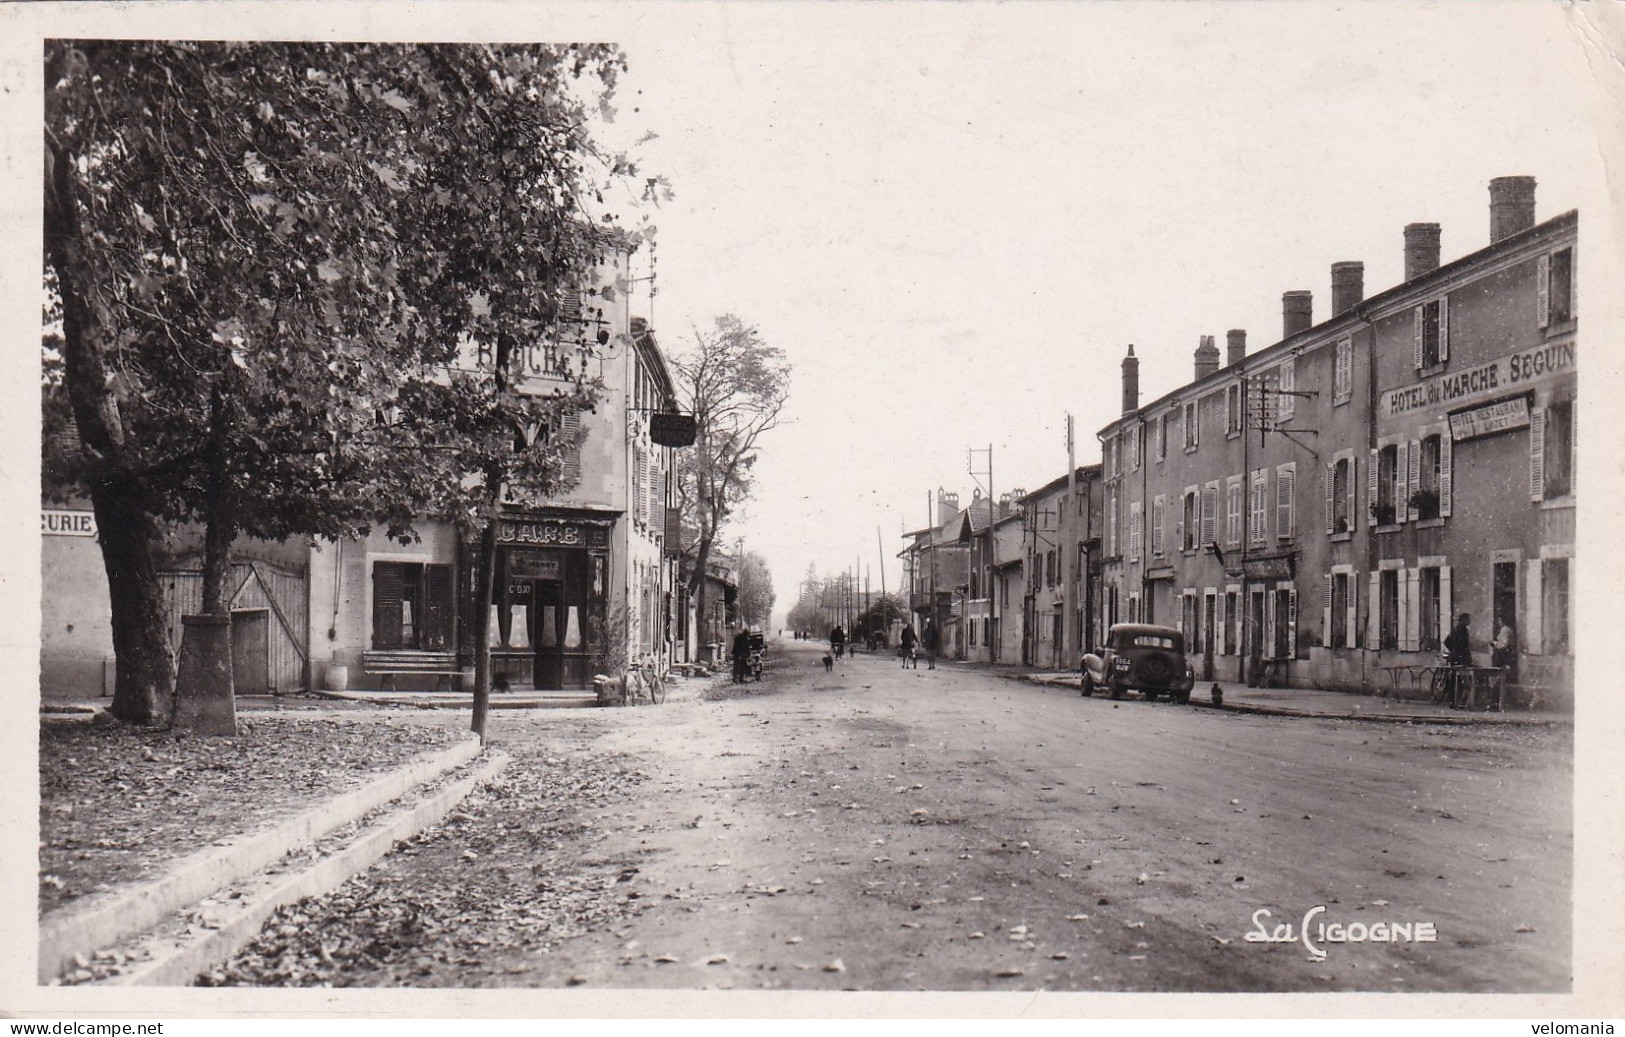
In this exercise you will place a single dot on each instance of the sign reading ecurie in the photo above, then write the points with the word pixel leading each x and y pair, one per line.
pixel 58 523
pixel 1496 417
pixel 1498 376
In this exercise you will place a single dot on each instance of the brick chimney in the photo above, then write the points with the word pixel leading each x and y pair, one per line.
pixel 1512 206
pixel 1131 381
pixel 1207 357
pixel 1348 286
pixel 1235 343
pixel 1421 249
pixel 947 506
pixel 1297 312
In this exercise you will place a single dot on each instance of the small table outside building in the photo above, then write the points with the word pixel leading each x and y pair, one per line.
pixel 1415 678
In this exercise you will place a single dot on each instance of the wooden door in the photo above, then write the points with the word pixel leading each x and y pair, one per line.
pixel 250 652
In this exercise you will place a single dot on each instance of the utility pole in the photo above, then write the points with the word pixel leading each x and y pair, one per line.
pixel 1069 544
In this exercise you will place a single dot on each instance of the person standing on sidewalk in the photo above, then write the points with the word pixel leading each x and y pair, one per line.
pixel 906 652
pixel 741 653
pixel 1458 651
pixel 1504 650
pixel 931 640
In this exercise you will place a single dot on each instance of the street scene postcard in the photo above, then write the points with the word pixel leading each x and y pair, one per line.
pixel 737 509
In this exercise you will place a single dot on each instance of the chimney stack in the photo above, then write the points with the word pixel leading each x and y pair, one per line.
pixel 1421 249
pixel 947 506
pixel 1207 357
pixel 1131 381
pixel 1348 286
pixel 1512 206
pixel 1297 312
pixel 1235 341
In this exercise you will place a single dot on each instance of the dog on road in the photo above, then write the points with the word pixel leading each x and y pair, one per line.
pixel 829 663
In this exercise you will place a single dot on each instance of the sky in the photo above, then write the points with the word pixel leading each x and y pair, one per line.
pixel 954 219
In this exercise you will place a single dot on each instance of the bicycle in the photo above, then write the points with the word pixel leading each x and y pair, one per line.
pixel 652 681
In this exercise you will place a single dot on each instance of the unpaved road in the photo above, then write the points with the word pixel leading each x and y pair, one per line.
pixel 950 830
pixel 883 829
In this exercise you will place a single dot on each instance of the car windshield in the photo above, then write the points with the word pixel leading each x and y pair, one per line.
pixel 1150 641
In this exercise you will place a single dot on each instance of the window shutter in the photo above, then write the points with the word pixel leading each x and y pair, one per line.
pixel 1331 476
pixel 1416 354
pixel 1444 328
pixel 1407 612
pixel 1159 512
pixel 1326 611
pixel 1413 478
pixel 1402 490
pixel 1218 623
pixel 1283 504
pixel 1446 606
pixel 1543 290
pixel 1210 513
pixel 569 430
pixel 1292 623
pixel 1344 377
pixel 1537 454
pixel 1371 487
pixel 1533 641
pixel 437 607
pixel 386 604
pixel 1353 616
pixel 1373 615
pixel 1443 472
pixel 1269 624
pixel 1134 531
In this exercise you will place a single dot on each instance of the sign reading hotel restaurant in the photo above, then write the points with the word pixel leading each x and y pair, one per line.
pixel 1496 417
pixel 55 523
pixel 1491 379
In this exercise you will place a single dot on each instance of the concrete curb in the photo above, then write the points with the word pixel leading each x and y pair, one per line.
pixel 1445 719
pixel 177 960
pixel 91 924
pixel 459 700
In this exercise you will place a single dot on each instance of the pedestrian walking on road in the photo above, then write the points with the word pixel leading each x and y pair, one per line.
pixel 741 653
pixel 837 641
pixel 906 652
pixel 931 640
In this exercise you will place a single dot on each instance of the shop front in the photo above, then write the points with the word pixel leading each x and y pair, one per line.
pixel 550 600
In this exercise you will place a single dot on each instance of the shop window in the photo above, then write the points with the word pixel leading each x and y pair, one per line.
pixel 411 606
pixel 1554 606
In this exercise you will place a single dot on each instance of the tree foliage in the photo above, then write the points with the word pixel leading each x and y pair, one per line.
pixel 270 263
pixel 756 595
pixel 736 386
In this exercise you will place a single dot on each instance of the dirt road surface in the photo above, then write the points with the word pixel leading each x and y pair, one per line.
pixel 877 828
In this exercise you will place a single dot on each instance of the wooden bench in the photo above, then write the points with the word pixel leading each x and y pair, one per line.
pixel 391 663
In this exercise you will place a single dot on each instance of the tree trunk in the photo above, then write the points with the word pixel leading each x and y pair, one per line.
pixel 484 584
pixel 696 587
pixel 205 689
pixel 144 669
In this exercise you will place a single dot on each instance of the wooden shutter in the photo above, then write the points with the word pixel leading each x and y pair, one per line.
pixel 1416 355
pixel 386 605
pixel 437 607
pixel 1269 623
pixel 1543 290
pixel 1444 328
pixel 1289 381
pixel 1373 616
pixel 1292 623
pixel 569 431
pixel 1331 478
pixel 1371 487
pixel 1446 606
pixel 1283 503
pixel 1326 611
pixel 1210 513
pixel 1159 515
pixel 1445 480
pixel 1219 638
pixel 1533 634
pixel 1402 462
pixel 1407 609
pixel 1413 478
pixel 1352 605
pixel 1344 377
pixel 1537 454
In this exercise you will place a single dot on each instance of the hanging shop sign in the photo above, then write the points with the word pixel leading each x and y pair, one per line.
pixel 672 429
pixel 1507 374
pixel 59 523
pixel 1488 420
pixel 1277 568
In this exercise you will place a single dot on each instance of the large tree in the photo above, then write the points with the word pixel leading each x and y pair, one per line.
pixel 267 258
pixel 756 594
pixel 736 385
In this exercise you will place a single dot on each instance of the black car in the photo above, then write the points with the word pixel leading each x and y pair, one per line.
pixel 1148 658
